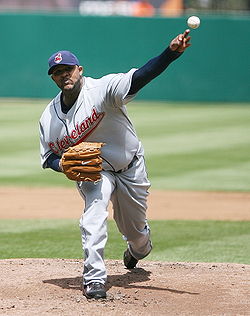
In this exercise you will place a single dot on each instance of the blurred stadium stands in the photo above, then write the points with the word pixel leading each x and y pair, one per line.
pixel 128 7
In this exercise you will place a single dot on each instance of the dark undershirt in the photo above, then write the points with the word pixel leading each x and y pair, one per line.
pixel 153 68
pixel 142 76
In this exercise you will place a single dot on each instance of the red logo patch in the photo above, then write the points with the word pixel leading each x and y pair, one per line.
pixel 58 58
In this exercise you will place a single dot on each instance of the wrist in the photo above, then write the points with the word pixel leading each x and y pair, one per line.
pixel 60 165
pixel 173 51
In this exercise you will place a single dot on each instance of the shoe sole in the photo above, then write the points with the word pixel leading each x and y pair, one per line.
pixel 131 262
pixel 95 296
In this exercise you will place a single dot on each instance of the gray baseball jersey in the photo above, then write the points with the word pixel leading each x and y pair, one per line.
pixel 99 115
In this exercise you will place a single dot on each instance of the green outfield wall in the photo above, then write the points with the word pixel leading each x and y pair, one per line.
pixel 215 68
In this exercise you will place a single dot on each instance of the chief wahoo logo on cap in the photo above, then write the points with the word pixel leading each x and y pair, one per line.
pixel 58 58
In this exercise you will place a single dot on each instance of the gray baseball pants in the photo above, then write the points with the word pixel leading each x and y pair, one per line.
pixel 128 191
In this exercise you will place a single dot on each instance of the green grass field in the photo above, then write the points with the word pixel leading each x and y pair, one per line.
pixel 187 147
pixel 199 147
pixel 196 241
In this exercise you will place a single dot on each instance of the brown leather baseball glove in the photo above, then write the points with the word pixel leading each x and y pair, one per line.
pixel 82 162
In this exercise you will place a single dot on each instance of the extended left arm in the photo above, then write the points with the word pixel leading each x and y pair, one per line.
pixel 155 66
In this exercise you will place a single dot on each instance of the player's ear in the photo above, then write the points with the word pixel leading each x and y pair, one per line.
pixel 52 77
pixel 81 69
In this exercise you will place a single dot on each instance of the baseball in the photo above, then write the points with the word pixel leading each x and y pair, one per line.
pixel 193 22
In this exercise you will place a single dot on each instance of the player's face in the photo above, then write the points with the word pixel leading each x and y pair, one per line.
pixel 67 77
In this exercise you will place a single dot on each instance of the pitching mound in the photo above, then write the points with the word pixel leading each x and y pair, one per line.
pixel 53 287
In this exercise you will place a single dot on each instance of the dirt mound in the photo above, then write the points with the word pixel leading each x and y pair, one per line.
pixel 53 287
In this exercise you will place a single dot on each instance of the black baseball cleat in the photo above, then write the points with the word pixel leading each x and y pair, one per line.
pixel 128 260
pixel 95 290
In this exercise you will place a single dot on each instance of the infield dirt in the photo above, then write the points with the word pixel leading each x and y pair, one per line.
pixel 53 286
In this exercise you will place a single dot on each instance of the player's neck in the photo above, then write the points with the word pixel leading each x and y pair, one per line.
pixel 69 97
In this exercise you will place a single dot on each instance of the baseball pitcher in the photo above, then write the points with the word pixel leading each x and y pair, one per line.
pixel 85 132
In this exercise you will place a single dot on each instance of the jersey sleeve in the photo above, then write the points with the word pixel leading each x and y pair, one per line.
pixel 45 151
pixel 118 88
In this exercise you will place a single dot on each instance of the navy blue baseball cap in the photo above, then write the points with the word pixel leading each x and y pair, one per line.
pixel 62 57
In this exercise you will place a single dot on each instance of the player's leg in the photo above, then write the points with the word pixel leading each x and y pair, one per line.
pixel 93 226
pixel 130 204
